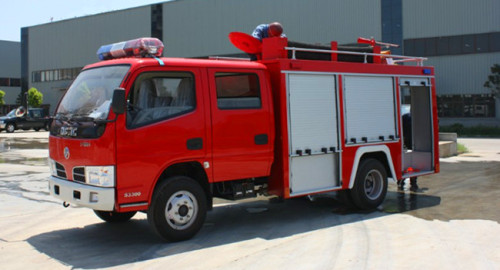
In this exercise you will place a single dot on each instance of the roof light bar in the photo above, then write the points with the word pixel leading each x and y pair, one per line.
pixel 141 47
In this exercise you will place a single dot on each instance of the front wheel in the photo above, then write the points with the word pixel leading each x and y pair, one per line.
pixel 114 217
pixel 10 128
pixel 178 209
pixel 370 186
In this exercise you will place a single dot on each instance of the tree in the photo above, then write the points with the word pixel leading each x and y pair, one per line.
pixel 2 94
pixel 19 99
pixel 493 82
pixel 35 97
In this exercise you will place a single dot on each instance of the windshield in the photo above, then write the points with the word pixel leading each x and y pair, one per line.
pixel 89 96
pixel 12 113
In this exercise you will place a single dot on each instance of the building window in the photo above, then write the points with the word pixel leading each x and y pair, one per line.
pixel 10 82
pixel 466 105
pixel 15 82
pixel 453 45
pixel 4 82
pixel 55 75
pixel 392 23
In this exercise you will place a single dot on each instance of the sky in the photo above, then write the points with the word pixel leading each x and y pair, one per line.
pixel 21 13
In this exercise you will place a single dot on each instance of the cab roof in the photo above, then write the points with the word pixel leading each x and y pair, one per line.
pixel 135 62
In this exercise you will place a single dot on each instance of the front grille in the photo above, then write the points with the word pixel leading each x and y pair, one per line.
pixel 79 174
pixel 61 172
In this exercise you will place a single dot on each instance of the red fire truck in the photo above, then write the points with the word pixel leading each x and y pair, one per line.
pixel 165 136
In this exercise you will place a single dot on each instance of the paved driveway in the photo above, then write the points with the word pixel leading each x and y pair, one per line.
pixel 452 223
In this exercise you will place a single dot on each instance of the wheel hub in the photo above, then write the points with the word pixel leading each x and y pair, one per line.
pixel 181 210
pixel 373 184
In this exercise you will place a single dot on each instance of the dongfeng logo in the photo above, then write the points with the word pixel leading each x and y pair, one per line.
pixel 68 131
pixel 66 152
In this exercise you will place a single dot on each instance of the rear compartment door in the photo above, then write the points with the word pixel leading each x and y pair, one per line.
pixel 417 126
pixel 313 133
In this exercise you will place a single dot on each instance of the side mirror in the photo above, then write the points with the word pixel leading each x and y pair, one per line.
pixel 119 103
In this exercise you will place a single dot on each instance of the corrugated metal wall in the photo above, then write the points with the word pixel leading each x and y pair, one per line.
pixel 431 18
pixel 463 74
pixel 455 74
pixel 10 67
pixel 200 27
pixel 194 28
pixel 10 63
pixel 74 43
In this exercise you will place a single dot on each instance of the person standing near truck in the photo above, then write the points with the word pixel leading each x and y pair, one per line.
pixel 274 29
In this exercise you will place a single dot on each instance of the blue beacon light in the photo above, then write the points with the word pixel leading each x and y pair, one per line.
pixel 141 47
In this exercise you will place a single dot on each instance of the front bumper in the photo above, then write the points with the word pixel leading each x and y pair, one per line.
pixel 97 198
pixel 2 125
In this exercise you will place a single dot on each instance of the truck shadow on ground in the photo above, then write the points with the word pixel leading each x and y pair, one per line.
pixel 106 245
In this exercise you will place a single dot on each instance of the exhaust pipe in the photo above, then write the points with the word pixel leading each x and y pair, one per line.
pixel 65 204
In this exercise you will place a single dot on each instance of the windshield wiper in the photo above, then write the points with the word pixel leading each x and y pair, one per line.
pixel 82 117
pixel 79 118
pixel 62 116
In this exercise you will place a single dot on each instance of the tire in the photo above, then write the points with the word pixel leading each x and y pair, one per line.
pixel 370 186
pixel 344 197
pixel 37 129
pixel 178 209
pixel 114 217
pixel 10 128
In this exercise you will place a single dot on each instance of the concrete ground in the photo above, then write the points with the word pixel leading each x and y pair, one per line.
pixel 452 222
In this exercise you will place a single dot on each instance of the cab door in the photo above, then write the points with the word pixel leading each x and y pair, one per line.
pixel 164 125
pixel 242 124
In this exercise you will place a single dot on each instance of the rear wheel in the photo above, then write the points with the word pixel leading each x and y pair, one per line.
pixel 178 208
pixel 344 196
pixel 370 186
pixel 114 217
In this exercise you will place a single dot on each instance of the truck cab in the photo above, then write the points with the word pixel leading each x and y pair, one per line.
pixel 206 120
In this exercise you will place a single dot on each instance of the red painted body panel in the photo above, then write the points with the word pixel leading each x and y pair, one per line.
pixel 98 152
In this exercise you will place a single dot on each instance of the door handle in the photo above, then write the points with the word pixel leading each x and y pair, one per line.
pixel 261 139
pixel 194 144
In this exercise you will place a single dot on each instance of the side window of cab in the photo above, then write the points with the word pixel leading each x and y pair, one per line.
pixel 157 96
pixel 237 91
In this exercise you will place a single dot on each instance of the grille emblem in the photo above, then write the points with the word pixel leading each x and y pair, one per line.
pixel 66 152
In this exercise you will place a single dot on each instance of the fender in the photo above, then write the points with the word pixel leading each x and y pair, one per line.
pixel 371 149
pixel 173 163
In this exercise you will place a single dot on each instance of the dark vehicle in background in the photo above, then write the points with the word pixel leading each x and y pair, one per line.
pixel 20 118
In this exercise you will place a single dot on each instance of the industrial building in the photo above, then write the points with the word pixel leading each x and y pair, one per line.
pixel 10 73
pixel 461 38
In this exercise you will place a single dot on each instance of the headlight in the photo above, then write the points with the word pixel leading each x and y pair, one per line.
pixel 103 176
pixel 52 165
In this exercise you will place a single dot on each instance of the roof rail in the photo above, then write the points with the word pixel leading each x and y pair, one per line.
pixel 400 58
pixel 228 58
